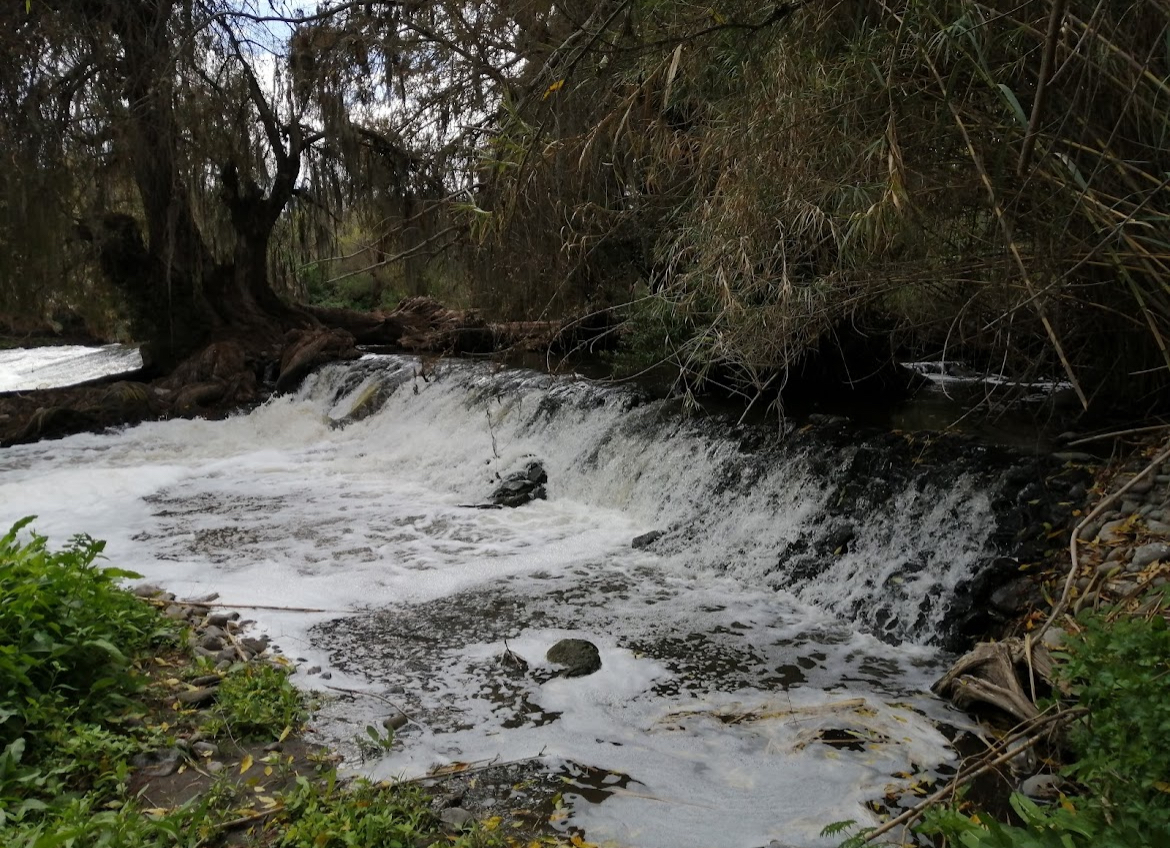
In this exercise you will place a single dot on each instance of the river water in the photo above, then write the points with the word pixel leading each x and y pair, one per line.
pixel 734 649
pixel 25 369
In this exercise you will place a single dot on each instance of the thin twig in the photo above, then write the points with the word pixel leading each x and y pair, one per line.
pixel 1115 434
pixel 381 698
pixel 1013 747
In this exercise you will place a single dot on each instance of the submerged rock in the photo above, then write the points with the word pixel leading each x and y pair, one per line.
pixel 647 539
pixel 578 656
pixel 521 487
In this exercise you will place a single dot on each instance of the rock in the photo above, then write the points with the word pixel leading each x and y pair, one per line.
pixel 214 767
pixel 327 675
pixel 456 818
pixel 205 680
pixel 148 590
pixel 647 539
pixel 211 642
pixel 205 749
pixel 198 697
pixel 395 721
pixel 175 612
pixel 314 669
pixel 1053 638
pixel 578 656
pixel 1073 456
pixel 1111 531
pixel 1156 526
pixel 1153 552
pixel 160 763
pixel 838 539
pixel 521 487
pixel 1142 486
pixel 256 645
pixel 221 619
pixel 1014 596
pixel 1107 568
pixel 1042 787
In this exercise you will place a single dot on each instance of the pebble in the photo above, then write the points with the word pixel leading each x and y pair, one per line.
pixel 1110 531
pixel 205 749
pixel 175 612
pixel 148 590
pixel 257 645
pixel 395 721
pixel 1053 638
pixel 205 680
pixel 315 669
pixel 198 697
pixel 221 619
pixel 327 675
pixel 1142 486
pixel 456 817
pixel 1157 525
pixel 1042 786
pixel 1153 552
pixel 1107 568
pixel 214 767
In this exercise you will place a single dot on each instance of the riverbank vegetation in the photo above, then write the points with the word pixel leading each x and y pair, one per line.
pixel 809 189
pixel 102 743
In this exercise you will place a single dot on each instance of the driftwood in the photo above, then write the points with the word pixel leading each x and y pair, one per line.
pixel 994 674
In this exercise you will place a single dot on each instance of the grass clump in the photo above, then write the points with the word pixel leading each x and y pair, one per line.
pixel 257 703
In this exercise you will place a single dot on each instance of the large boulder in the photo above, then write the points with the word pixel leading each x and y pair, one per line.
pixel 521 487
pixel 577 657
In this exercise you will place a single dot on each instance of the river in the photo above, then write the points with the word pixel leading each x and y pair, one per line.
pixel 735 648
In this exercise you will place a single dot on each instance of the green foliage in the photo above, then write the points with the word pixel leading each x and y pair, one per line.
pixel 68 636
pixel 332 816
pixel 257 702
pixel 1119 671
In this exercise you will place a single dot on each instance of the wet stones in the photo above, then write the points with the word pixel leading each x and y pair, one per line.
pixel 521 487
pixel 647 539
pixel 578 657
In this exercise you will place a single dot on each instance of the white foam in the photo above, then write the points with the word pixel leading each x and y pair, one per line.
pixel 278 508
pixel 25 369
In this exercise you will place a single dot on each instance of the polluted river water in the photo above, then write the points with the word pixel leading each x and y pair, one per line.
pixel 737 648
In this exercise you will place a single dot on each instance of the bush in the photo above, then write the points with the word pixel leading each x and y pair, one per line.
pixel 68 636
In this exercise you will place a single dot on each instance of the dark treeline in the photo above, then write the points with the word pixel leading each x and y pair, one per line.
pixel 751 187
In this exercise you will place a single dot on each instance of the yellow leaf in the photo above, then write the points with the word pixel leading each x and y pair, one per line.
pixel 268 771
pixel 717 18
pixel 284 733
pixel 1162 787
pixel 245 763
pixel 492 823
pixel 552 89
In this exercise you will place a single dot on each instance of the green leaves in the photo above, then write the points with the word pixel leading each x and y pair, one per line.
pixel 67 636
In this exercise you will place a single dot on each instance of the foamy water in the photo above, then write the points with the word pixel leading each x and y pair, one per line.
pixel 421 594
pixel 26 369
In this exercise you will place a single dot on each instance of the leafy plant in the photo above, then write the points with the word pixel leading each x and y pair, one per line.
pixel 258 702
